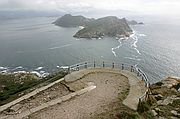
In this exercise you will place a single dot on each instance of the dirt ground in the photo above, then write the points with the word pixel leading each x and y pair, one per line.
pixel 109 86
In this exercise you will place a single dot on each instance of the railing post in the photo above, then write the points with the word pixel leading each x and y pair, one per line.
pixel 122 66
pixel 68 70
pixel 94 64
pixel 131 68
pixel 77 67
pixel 113 65
pixel 103 64
pixel 85 66
pixel 142 77
pixel 138 72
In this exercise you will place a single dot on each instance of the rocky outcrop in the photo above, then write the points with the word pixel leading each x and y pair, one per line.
pixel 165 98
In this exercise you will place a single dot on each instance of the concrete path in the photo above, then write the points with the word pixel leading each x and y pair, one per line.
pixel 4 107
pixel 137 89
pixel 50 103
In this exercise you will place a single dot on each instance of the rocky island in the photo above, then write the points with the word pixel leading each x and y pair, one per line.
pixel 133 22
pixel 110 26
pixel 72 21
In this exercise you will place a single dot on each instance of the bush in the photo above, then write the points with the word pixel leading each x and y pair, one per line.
pixel 143 107
pixel 127 115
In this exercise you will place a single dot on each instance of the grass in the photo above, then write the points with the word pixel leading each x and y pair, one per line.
pixel 12 86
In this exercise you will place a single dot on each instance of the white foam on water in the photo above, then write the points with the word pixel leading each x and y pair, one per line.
pixel 58 47
pixel 19 67
pixel 17 72
pixel 134 36
pixel 117 47
pixel 81 27
pixel 39 68
pixel 3 68
pixel 131 58
pixel 40 74
pixel 143 35
pixel 64 67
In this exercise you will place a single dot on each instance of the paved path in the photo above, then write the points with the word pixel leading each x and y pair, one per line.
pixel 137 89
pixel 50 103
pixel 4 107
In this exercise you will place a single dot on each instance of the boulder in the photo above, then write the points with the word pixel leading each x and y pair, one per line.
pixel 171 82
pixel 175 113
pixel 158 97
pixel 154 113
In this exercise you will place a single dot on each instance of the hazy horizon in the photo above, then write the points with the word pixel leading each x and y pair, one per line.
pixel 129 7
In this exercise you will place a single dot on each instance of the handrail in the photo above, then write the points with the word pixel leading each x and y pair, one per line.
pixel 122 66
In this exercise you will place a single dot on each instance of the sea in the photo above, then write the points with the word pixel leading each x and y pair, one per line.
pixel 36 45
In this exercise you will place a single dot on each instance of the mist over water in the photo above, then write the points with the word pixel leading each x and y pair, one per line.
pixel 37 45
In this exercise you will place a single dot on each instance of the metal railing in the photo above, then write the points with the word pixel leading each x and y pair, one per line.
pixel 122 66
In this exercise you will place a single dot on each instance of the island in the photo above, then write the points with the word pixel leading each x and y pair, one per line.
pixel 133 22
pixel 110 26
pixel 72 21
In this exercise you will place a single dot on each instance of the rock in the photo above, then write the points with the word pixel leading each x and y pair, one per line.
pixel 158 97
pixel 175 113
pixel 157 109
pixel 168 100
pixel 154 113
pixel 171 82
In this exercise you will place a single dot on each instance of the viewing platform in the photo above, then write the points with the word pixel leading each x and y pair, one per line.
pixel 92 87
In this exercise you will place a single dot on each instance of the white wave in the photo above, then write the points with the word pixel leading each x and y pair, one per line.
pixel 17 72
pixel 134 36
pixel 39 68
pixel 3 68
pixel 114 53
pixel 64 67
pixel 143 35
pixel 19 67
pixel 81 27
pixel 60 47
pixel 132 58
pixel 40 74
pixel 117 47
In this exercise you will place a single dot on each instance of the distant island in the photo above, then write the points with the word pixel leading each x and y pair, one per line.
pixel 72 21
pixel 133 22
pixel 110 26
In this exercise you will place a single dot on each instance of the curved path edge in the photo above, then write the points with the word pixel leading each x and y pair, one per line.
pixel 137 89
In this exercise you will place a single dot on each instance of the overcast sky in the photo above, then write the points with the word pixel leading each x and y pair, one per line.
pixel 162 7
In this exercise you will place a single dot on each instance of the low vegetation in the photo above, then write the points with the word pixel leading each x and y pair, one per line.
pixel 13 86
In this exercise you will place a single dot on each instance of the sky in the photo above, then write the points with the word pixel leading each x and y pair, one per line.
pixel 159 7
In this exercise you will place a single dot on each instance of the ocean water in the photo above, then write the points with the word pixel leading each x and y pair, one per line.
pixel 39 46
